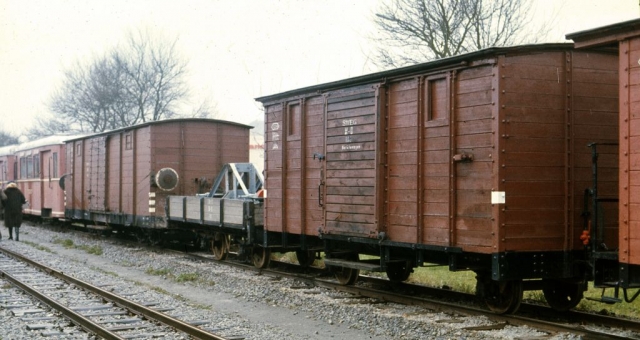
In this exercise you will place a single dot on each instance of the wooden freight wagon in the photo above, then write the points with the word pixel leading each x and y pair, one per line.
pixel 122 177
pixel 39 164
pixel 620 266
pixel 478 161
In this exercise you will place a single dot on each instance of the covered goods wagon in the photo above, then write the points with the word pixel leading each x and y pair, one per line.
pixel 619 266
pixel 122 177
pixel 479 162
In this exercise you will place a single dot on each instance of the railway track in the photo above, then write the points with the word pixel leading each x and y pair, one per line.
pixel 454 304
pixel 51 303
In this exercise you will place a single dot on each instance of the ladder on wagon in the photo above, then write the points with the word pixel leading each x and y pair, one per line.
pixel 604 261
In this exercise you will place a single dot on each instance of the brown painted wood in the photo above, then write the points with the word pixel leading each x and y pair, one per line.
pixel 525 116
pixel 112 171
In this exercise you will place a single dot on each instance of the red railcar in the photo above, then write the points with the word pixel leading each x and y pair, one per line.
pixel 8 167
pixel 478 162
pixel 36 167
pixel 122 177
pixel 619 265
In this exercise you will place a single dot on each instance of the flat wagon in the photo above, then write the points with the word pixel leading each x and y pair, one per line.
pixel 619 265
pixel 122 177
pixel 478 162
pixel 231 212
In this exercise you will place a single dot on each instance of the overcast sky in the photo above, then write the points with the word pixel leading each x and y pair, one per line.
pixel 237 49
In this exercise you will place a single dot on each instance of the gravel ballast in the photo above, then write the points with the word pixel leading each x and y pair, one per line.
pixel 238 303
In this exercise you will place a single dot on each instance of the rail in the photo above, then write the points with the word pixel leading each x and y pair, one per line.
pixel 120 301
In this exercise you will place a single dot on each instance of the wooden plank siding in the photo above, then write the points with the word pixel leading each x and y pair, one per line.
pixel 626 37
pixel 595 119
pixel 350 201
pixel 273 206
pixel 633 88
pixel 396 148
pixel 114 171
pixel 472 109
pixel 547 159
pixel 314 126
pixel 629 189
pixel 532 142
pixel 96 173
pixel 401 213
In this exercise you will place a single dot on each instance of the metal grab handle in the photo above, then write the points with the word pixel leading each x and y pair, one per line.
pixel 320 203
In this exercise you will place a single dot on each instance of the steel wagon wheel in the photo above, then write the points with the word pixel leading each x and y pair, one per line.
pixel 347 276
pixel 220 246
pixel 561 295
pixel 398 272
pixel 305 257
pixel 261 257
pixel 502 297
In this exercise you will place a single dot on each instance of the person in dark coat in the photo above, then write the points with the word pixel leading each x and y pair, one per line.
pixel 3 198
pixel 13 209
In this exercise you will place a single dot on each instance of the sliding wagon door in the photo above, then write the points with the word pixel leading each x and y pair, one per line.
pixel 350 165
pixel 95 158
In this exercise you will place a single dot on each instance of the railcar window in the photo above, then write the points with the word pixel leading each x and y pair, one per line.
pixel 294 119
pixel 36 166
pixel 29 167
pixel 23 167
pixel 128 141
pixel 55 165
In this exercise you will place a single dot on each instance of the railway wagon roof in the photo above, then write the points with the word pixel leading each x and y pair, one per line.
pixel 606 35
pixel 49 140
pixel 159 122
pixel 455 61
pixel 8 149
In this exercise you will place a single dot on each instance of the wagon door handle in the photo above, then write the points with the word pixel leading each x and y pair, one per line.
pixel 320 198
pixel 463 157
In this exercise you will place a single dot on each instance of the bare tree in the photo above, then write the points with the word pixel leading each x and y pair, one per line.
pixel 414 31
pixel 154 76
pixel 138 82
pixel 7 139
pixel 207 109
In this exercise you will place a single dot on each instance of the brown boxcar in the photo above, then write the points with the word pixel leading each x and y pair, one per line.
pixel 625 38
pixel 122 177
pixel 36 169
pixel 478 161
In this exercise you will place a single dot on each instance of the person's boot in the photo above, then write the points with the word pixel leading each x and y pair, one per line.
pixel 17 234
pixel 11 233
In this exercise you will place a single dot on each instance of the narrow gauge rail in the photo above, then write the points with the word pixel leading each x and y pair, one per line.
pixel 28 278
pixel 539 317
